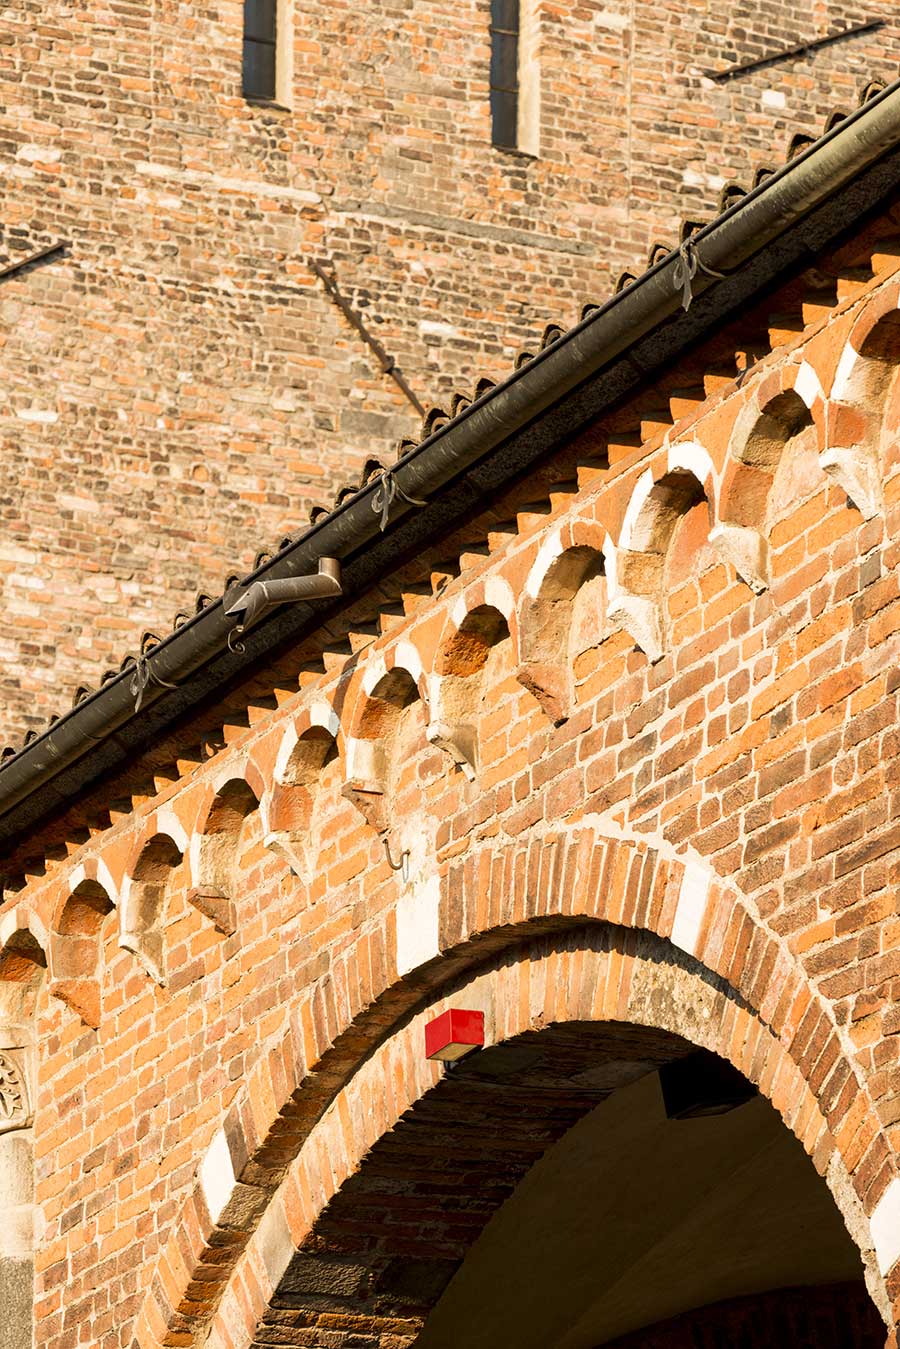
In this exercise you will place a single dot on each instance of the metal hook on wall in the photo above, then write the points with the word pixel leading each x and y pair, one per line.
pixel 402 865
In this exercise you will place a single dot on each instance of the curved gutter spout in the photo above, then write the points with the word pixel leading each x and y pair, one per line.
pixel 261 596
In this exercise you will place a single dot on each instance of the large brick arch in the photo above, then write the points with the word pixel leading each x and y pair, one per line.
pixel 295 1116
pixel 608 975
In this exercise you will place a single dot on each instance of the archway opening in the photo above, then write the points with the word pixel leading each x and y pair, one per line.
pixel 555 1190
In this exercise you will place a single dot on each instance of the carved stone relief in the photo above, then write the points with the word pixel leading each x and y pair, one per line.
pixel 14 1108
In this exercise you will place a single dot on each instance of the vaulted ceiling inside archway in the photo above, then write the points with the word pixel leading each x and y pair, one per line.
pixel 540 1196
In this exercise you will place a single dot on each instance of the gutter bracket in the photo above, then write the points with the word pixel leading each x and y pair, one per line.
pixel 686 268
pixel 144 676
pixel 385 496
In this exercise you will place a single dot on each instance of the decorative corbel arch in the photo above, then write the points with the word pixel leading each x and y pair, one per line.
pixel 24 944
pixel 387 685
pixel 233 795
pixel 786 405
pixel 159 850
pixel 309 743
pixel 857 403
pixel 567 574
pixel 75 949
pixel 482 617
pixel 661 497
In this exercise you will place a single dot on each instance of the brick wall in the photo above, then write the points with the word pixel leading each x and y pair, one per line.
pixel 177 389
pixel 661 699
pixel 810 1318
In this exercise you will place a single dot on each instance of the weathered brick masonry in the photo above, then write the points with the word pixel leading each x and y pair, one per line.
pixel 633 752
pixel 176 389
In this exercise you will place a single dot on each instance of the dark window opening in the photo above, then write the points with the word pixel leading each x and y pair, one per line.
pixel 505 73
pixel 259 48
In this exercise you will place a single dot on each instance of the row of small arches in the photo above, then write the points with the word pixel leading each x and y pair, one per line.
pixel 71 950
pixel 578 574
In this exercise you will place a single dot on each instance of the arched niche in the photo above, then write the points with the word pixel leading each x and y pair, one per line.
pixel 779 435
pixel 76 950
pixel 774 463
pixel 22 959
pixel 881 352
pixel 387 743
pixel 471 661
pixel 217 850
pixel 143 909
pixel 309 769
pixel 562 615
pixel 867 370
pixel 666 524
pixel 863 415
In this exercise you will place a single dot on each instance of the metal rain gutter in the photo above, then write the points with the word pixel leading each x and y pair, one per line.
pixel 718 250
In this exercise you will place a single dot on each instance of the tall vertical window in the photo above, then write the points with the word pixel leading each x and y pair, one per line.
pixel 260 48
pixel 505 73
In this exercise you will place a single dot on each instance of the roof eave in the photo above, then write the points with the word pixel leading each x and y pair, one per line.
pixel 793 214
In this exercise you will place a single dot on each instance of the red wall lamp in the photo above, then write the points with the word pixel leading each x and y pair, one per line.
pixel 454 1034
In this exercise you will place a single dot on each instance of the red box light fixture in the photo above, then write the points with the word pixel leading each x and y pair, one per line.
pixel 454 1034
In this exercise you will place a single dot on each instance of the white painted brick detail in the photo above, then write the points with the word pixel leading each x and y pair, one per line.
pixel 642 489
pixel 409 659
pixel 418 925
pixel 45 416
pixel 844 373
pixel 690 911
pixel 323 714
pixel 499 593
pixel 611 561
pixel 806 385
pixel 76 877
pixel 217 1179
pixel 549 551
pixel 230 772
pixel 9 924
pixel 692 458
pixel 885 1225
pixel 167 822
pixel 374 674
pixel 105 878
pixel 274 1241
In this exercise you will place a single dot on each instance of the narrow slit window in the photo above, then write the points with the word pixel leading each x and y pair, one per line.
pixel 505 73
pixel 260 48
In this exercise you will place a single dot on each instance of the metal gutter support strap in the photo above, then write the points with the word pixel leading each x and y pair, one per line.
pixel 686 268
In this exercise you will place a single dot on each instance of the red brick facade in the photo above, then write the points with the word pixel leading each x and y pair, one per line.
pixel 176 387
pixel 634 763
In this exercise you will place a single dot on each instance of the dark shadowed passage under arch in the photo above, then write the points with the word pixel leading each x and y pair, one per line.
pixel 540 1196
